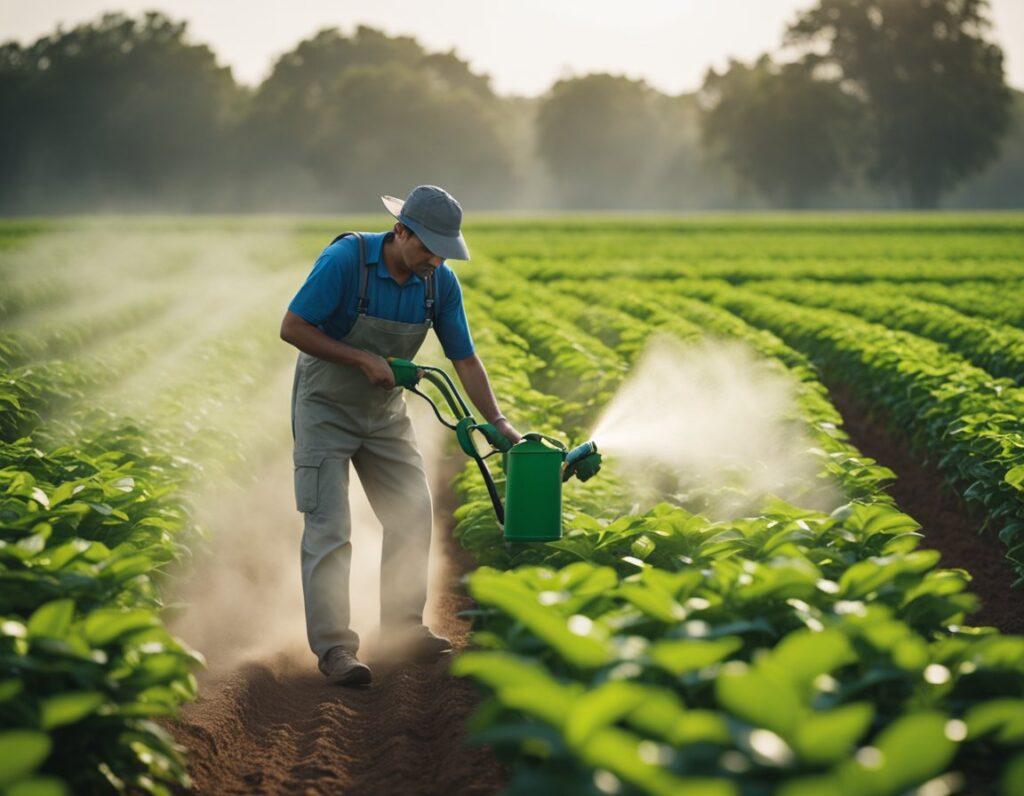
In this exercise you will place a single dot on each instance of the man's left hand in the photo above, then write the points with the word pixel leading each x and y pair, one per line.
pixel 508 430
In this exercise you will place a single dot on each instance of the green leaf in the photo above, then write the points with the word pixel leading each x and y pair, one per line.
pixel 52 620
pixel 21 753
pixel 605 705
pixel 1002 717
pixel 107 624
pixel 576 639
pixel 622 753
pixel 655 604
pixel 1015 477
pixel 38 786
pixel 827 737
pixel 68 708
pixel 679 657
pixel 1013 777
pixel 759 699
pixel 804 654
pixel 910 751
pixel 10 688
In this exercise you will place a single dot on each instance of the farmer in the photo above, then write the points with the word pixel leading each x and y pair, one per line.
pixel 368 297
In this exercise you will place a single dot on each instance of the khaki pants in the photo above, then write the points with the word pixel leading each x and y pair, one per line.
pixel 391 471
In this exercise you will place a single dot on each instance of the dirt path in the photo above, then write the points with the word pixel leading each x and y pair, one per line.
pixel 947 525
pixel 274 726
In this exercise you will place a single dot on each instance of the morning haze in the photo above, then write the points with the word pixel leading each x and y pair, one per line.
pixel 554 106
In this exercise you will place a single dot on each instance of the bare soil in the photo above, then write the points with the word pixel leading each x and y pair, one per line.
pixel 948 525
pixel 275 726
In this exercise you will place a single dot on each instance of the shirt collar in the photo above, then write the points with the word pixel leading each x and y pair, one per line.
pixel 374 253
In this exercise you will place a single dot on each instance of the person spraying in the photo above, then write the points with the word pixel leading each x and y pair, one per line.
pixel 371 296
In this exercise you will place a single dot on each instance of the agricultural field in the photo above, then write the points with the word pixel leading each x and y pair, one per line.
pixel 834 607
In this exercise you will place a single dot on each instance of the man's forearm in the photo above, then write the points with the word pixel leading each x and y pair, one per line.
pixel 474 380
pixel 310 340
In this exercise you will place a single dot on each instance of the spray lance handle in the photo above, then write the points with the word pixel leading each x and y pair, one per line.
pixel 406 372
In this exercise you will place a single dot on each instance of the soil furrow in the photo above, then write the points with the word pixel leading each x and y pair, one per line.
pixel 275 726
pixel 947 524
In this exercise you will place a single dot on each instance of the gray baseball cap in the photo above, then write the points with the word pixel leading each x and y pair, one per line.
pixel 434 215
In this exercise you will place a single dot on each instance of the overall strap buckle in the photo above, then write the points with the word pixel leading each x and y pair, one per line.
pixel 428 302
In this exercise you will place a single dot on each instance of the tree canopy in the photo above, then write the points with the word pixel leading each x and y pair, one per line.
pixel 934 95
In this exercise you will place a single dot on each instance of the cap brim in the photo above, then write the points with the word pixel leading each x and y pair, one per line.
pixel 445 247
pixel 393 205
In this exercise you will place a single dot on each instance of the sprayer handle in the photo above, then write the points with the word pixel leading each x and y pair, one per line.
pixel 495 437
pixel 406 372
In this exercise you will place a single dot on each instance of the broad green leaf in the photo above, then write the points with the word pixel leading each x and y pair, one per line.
pixel 828 737
pixel 679 657
pixel 824 785
pixel 575 638
pixel 634 760
pixel 106 624
pixel 604 705
pixel 38 786
pixel 910 751
pixel 1015 477
pixel 10 688
pixel 655 604
pixel 1013 777
pixel 21 753
pixel 1002 717
pixel 68 708
pixel 804 654
pixel 869 520
pixel 52 620
pixel 758 699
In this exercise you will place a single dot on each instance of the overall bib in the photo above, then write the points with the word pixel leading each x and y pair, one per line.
pixel 338 416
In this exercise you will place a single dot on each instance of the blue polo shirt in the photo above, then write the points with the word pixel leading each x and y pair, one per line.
pixel 329 298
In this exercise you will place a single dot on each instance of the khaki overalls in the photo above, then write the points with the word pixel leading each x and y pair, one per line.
pixel 338 416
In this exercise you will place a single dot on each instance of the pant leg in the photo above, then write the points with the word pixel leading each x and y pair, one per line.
pixel 391 470
pixel 322 496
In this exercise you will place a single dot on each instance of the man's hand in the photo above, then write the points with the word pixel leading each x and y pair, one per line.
pixel 508 430
pixel 378 371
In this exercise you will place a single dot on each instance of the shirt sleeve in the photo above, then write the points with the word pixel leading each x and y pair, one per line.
pixel 450 322
pixel 325 287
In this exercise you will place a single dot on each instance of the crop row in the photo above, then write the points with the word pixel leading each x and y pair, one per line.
pixel 964 417
pixel 86 663
pixel 990 345
pixel 790 651
pixel 94 511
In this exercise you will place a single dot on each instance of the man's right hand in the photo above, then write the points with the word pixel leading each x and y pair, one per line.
pixel 378 371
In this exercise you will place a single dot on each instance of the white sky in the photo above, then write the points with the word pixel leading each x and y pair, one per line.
pixel 524 46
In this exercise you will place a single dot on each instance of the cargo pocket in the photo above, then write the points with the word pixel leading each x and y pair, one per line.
pixel 307 483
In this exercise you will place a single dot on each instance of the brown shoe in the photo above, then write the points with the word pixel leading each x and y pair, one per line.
pixel 343 668
pixel 422 645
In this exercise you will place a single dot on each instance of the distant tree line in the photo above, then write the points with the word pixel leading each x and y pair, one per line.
pixel 880 103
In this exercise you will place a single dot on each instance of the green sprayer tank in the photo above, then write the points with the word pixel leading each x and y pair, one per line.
pixel 533 491
pixel 535 467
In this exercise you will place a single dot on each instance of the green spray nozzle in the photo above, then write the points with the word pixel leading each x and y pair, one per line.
pixel 583 461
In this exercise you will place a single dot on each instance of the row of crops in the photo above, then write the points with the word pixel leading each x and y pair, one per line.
pixel 121 368
pixel 790 652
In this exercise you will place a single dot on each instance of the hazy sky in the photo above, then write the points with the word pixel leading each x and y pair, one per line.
pixel 524 46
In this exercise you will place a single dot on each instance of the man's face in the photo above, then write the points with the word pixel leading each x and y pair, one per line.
pixel 416 257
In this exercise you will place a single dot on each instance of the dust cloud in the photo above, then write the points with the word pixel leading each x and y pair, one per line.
pixel 713 428
pixel 243 601
pixel 181 324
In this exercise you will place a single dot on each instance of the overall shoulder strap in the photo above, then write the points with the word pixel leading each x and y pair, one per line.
pixel 364 301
